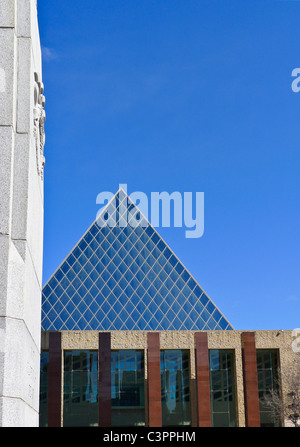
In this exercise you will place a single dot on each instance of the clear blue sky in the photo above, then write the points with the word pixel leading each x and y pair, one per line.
pixel 182 95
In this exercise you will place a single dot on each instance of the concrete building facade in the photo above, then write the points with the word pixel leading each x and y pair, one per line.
pixel 212 396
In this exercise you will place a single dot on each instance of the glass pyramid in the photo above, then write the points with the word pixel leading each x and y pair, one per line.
pixel 125 278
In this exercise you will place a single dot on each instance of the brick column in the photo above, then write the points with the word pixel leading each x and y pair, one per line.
pixel 54 380
pixel 202 378
pixel 250 379
pixel 154 382
pixel 104 383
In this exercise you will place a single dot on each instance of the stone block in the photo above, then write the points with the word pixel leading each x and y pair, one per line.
pixel 4 254
pixel 21 360
pixel 6 157
pixel 15 413
pixel 35 212
pixel 8 68
pixel 20 187
pixel 27 214
pixel 32 299
pixel 22 287
pixel 23 28
pixel 15 284
pixel 35 39
pixel 25 86
pixel 7 13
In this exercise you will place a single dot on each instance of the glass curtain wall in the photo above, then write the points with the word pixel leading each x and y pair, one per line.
pixel 268 383
pixel 175 387
pixel 127 388
pixel 80 408
pixel 222 386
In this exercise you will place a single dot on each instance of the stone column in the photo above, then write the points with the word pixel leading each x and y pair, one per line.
pixel 202 377
pixel 154 381
pixel 104 385
pixel 250 379
pixel 54 380
pixel 21 212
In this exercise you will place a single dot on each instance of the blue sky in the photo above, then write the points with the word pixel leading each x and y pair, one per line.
pixel 181 95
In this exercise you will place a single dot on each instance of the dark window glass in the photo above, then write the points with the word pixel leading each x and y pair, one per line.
pixel 175 387
pixel 80 406
pixel 44 389
pixel 268 384
pixel 222 388
pixel 127 388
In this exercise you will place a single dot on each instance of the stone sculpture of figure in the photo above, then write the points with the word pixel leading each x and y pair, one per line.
pixel 39 117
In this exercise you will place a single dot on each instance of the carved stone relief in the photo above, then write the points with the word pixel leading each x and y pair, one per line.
pixel 39 117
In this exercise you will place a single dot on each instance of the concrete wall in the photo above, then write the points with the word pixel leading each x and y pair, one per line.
pixel 21 212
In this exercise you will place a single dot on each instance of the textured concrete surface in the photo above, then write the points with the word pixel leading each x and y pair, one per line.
pixel 21 216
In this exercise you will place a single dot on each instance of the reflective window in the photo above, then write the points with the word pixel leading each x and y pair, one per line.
pixel 80 408
pixel 268 374
pixel 127 388
pixel 175 387
pixel 222 388
pixel 43 422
